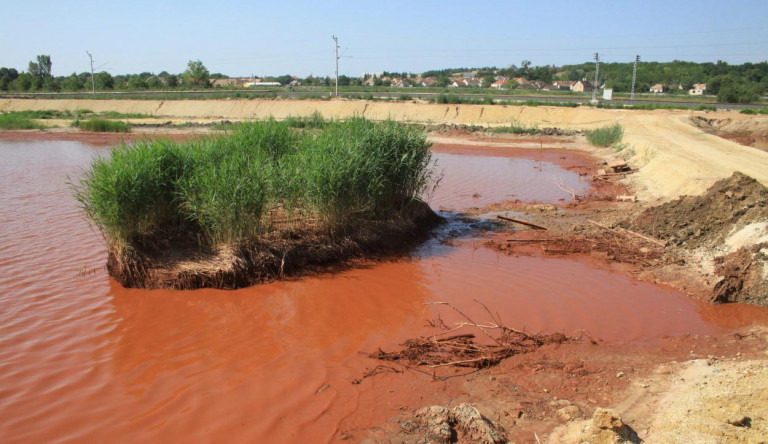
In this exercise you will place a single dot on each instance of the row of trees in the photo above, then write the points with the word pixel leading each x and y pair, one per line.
pixel 742 83
pixel 38 77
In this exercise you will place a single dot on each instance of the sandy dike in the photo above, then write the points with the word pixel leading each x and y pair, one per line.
pixel 674 156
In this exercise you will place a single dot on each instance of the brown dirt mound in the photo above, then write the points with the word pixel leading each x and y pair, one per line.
pixel 715 223
pixel 707 220
pixel 179 264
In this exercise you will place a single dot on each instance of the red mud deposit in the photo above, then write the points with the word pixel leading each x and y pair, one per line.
pixel 84 360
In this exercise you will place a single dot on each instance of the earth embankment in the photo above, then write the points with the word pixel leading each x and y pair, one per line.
pixel 672 155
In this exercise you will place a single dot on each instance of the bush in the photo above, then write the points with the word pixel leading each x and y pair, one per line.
pixel 315 120
pixel 516 128
pixel 227 189
pixel 606 136
pixel 16 121
pixel 752 111
pixel 102 126
pixel 738 92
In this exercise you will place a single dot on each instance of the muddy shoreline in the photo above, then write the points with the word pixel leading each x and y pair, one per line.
pixel 286 254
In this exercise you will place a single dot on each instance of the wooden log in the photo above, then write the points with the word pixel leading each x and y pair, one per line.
pixel 522 222
pixel 626 233
pixel 648 238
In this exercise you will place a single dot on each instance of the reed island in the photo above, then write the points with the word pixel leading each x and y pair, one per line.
pixel 264 201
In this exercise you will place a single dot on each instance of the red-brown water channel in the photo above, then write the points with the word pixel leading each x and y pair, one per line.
pixel 84 360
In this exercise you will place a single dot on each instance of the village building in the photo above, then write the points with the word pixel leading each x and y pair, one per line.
pixel 428 81
pixel 500 84
pixel 563 84
pixel 698 89
pixel 582 86
pixel 235 82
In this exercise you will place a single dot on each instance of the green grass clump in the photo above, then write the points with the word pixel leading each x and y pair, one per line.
pixel 516 128
pixel 753 111
pixel 102 126
pixel 449 98
pixel 229 188
pixel 18 121
pixel 117 115
pixel 315 120
pixel 546 103
pixel 606 136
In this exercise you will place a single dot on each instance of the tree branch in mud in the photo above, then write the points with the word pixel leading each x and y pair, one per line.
pixel 571 191
pixel 429 354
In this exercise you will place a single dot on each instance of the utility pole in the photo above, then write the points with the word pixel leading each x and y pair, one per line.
pixel 336 40
pixel 634 77
pixel 597 68
pixel 93 82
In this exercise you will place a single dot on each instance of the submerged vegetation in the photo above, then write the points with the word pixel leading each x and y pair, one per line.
pixel 249 182
pixel 606 136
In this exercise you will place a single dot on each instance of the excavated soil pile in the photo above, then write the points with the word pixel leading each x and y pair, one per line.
pixel 729 224
pixel 282 254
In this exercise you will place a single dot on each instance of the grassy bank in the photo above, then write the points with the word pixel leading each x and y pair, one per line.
pixel 259 178
pixel 102 126
pixel 18 121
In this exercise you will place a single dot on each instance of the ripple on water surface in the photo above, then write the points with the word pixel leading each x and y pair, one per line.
pixel 83 359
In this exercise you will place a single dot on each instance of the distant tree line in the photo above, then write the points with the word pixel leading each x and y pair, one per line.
pixel 38 78
pixel 731 83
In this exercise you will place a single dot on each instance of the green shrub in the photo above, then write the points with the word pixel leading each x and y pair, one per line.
pixel 734 91
pixel 226 189
pixel 753 111
pixel 449 98
pixel 516 128
pixel 16 121
pixel 315 120
pixel 102 126
pixel 132 193
pixel 606 136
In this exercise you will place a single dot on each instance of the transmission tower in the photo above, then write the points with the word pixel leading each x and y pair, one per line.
pixel 634 77
pixel 597 68
pixel 93 82
pixel 336 40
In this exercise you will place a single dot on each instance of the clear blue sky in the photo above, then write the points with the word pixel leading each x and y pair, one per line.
pixel 282 37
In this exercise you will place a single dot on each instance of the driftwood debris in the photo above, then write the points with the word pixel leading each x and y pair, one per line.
pixel 521 222
pixel 626 233
pixel 430 354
